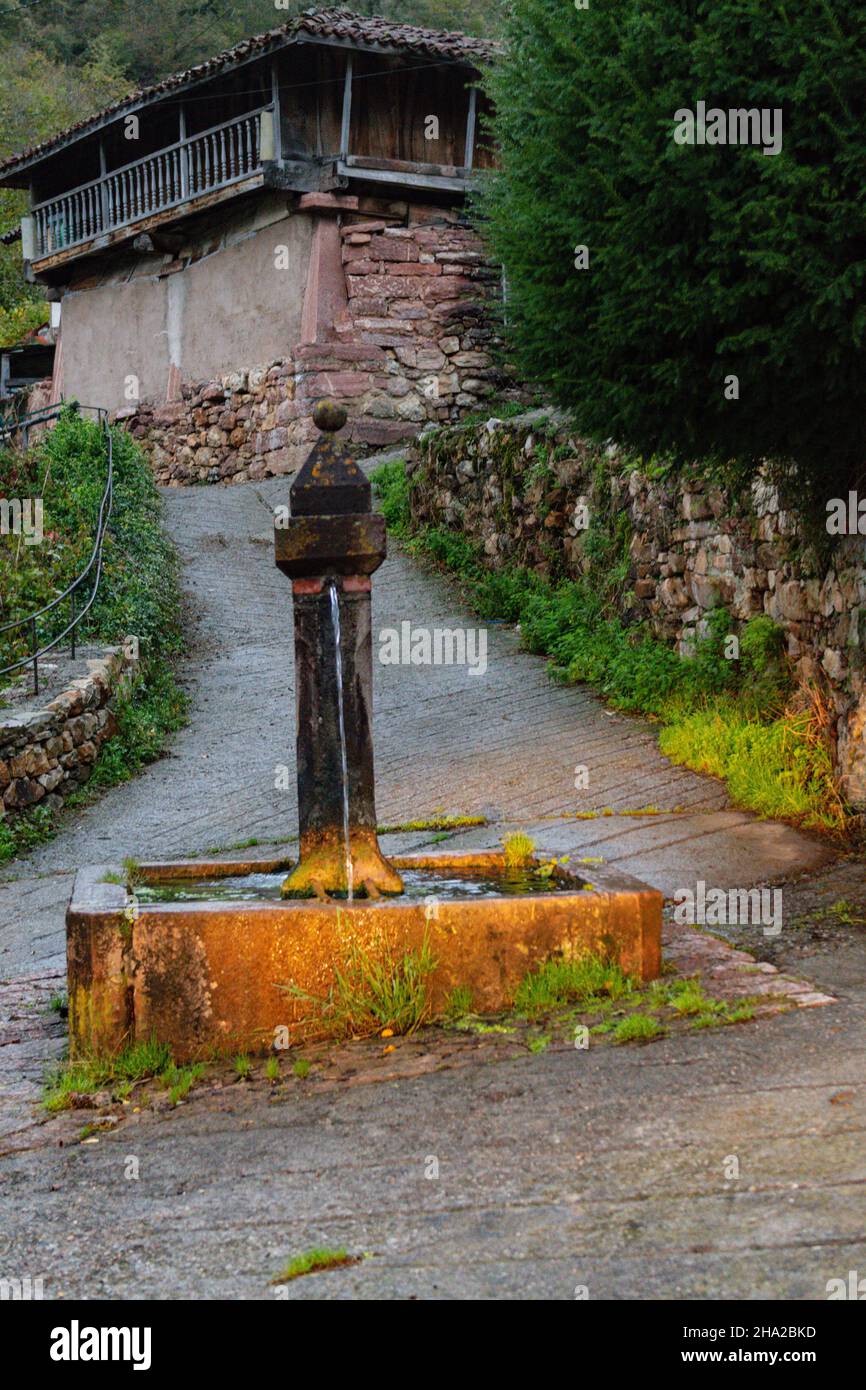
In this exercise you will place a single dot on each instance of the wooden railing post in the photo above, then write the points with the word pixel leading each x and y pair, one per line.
pixel 277 118
pixel 266 136
pixel 184 153
pixel 104 212
pixel 346 122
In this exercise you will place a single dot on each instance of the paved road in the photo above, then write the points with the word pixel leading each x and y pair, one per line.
pixel 505 744
pixel 602 1169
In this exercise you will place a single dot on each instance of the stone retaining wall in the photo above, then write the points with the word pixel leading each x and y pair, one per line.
pixel 47 753
pixel 520 488
pixel 411 341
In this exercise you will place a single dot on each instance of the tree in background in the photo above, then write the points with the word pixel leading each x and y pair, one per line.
pixel 38 96
pixel 704 263
pixel 151 40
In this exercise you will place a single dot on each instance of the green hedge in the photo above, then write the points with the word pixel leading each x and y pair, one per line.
pixel 138 594
pixel 705 261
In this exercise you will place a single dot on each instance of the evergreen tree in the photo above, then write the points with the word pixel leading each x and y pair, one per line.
pixel 706 262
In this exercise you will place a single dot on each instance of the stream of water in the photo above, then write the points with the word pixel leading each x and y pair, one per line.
pixel 344 765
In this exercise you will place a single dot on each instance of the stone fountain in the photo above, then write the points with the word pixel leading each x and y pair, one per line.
pixel 331 546
pixel 215 957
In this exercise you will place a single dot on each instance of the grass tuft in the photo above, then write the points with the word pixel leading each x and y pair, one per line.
pixel 87 1075
pixel 179 1081
pixel 636 1028
pixel 24 832
pixel 432 823
pixel 459 1003
pixel 556 983
pixel 372 992
pixel 519 849
pixel 313 1261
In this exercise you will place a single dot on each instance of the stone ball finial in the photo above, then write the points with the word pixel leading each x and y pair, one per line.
pixel 329 416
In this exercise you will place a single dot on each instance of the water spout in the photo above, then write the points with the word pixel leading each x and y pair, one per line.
pixel 341 718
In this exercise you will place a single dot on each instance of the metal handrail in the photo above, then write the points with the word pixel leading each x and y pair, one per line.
pixel 70 591
pixel 14 424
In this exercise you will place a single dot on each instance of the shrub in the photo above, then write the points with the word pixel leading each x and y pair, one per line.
pixel 706 261
pixel 395 494
pixel 138 592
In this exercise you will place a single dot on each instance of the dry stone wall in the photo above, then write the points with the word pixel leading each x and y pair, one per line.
pixel 47 753
pixel 416 343
pixel 524 488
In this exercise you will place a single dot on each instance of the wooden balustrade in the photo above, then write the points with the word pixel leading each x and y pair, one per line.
pixel 188 169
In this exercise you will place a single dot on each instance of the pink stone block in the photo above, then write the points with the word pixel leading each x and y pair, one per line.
pixel 315 356
pixel 384 325
pixel 367 431
pixel 416 268
pixel 333 384
pixel 352 229
pixel 389 248
pixel 390 285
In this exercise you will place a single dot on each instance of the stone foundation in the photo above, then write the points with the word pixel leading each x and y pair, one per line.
pixel 397 325
pixel 519 489
pixel 47 753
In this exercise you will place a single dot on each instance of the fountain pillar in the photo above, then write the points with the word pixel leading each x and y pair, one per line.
pixel 330 547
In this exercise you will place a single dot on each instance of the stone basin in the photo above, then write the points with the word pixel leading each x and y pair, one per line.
pixel 208 977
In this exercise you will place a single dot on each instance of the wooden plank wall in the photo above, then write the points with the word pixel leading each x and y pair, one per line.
pixel 391 101
pixel 311 99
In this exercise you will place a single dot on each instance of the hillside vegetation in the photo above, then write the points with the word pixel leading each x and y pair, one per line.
pixel 138 594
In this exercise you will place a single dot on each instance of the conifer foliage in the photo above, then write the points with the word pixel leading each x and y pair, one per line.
pixel 706 261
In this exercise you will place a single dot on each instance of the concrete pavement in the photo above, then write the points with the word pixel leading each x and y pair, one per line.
pixel 603 1169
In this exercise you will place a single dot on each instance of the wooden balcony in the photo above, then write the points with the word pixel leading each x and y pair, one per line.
pixel 186 173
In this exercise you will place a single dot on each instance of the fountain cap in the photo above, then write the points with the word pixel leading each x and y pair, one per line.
pixel 329 415
pixel 330 483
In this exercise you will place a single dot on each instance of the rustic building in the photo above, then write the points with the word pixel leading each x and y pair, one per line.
pixel 283 221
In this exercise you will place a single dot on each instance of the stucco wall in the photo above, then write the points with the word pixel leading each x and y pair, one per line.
pixel 223 301
pixel 396 324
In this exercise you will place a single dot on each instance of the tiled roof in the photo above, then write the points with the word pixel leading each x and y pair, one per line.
pixel 338 24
